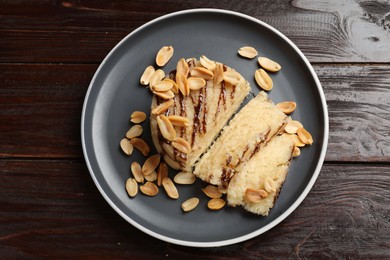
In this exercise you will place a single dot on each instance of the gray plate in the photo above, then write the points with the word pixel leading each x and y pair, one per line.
pixel 114 93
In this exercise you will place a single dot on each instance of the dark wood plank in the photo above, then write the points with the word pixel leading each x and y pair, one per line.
pixel 359 111
pixel 85 31
pixel 40 110
pixel 52 208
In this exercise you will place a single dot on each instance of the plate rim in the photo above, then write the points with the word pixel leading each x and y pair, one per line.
pixel 250 235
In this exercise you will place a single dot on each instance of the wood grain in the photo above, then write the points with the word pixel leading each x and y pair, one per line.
pixel 49 205
pixel 360 31
pixel 359 111
pixel 40 110
pixel 52 208
pixel 85 31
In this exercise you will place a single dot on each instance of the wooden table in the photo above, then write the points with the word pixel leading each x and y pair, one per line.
pixel 49 205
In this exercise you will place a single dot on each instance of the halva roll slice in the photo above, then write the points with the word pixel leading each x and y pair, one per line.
pixel 257 184
pixel 249 130
pixel 205 109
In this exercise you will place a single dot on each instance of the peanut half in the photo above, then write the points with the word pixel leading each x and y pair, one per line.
pixel 162 172
pixel 182 67
pixel 162 86
pixel 212 192
pixel 137 117
pixel 162 107
pixel 202 73
pixel 207 63
pixel 134 131
pixel 292 127
pixel 190 204
pixel 164 55
pixel 182 145
pixel 263 79
pixel 305 136
pixel 296 152
pixel 182 84
pixel 166 128
pixel 170 188
pixel 180 121
pixel 231 77
pixel 156 77
pixel 150 164
pixel 216 204
pixel 131 187
pixel 269 64
pixel 218 74
pixel 137 172
pixel 175 88
pixel 140 145
pixel 247 52
pixel 255 196
pixel 164 94
pixel 151 177
pixel 149 189
pixel 145 78
pixel 184 178
pixel 195 83
pixel 126 146
pixel 287 107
